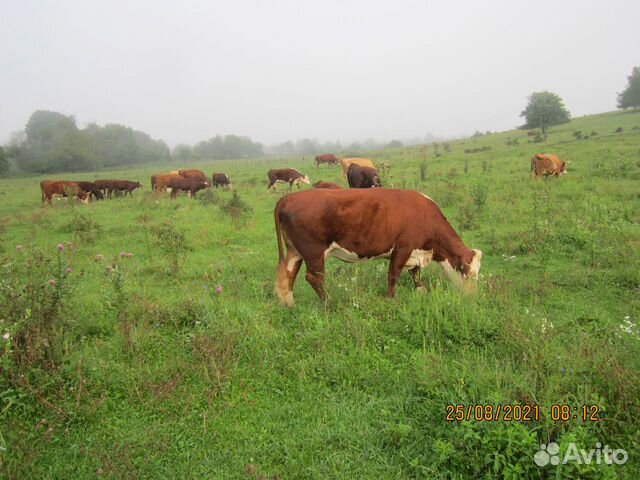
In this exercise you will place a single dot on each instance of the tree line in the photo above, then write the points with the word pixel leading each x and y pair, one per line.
pixel 52 142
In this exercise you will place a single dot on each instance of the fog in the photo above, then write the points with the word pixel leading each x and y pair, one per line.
pixel 331 70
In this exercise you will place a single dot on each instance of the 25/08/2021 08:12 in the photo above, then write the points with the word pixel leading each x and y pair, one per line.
pixel 521 413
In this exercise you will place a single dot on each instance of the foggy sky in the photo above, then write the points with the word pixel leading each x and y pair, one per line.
pixel 279 70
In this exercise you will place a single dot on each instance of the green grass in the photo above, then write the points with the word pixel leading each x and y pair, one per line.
pixel 147 372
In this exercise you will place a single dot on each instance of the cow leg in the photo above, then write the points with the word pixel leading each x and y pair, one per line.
pixel 398 260
pixel 315 276
pixel 287 273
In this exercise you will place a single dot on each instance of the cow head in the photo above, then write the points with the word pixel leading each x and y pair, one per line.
pixel 376 182
pixel 229 186
pixel 138 185
pixel 465 274
pixel 563 168
pixel 305 179
pixel 84 197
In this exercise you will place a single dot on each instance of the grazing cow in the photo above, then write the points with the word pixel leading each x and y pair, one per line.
pixel 328 158
pixel 191 185
pixel 160 181
pixel 363 177
pixel 193 174
pixel 92 189
pixel 363 162
pixel 49 188
pixel 322 184
pixel 359 225
pixel 221 179
pixel 286 175
pixel 547 164
pixel 109 186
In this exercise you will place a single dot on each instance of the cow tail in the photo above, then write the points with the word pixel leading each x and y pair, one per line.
pixel 276 215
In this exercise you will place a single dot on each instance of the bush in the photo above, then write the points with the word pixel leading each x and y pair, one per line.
pixel 237 210
pixel 208 197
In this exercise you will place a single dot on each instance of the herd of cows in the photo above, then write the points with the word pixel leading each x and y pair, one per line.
pixel 357 224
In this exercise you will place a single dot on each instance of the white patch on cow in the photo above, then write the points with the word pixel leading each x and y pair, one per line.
pixel 419 258
pixel 345 255
pixel 474 267
pixel 427 197
pixel 293 259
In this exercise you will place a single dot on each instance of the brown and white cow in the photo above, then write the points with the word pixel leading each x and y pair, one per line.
pixel 543 164
pixel 321 184
pixel 61 188
pixel 328 158
pixel 191 185
pixel 160 181
pixel 363 162
pixel 193 173
pixel 92 189
pixel 221 179
pixel 363 177
pixel 286 175
pixel 358 225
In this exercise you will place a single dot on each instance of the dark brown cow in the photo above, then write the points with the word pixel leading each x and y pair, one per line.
pixel 221 179
pixel 92 189
pixel 543 164
pixel 359 225
pixel 191 185
pixel 362 177
pixel 109 186
pixel 286 175
pixel 62 188
pixel 328 158
pixel 363 162
pixel 193 174
pixel 322 184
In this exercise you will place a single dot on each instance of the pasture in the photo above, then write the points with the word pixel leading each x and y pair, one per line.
pixel 178 362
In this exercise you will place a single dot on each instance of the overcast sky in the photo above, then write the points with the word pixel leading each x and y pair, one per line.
pixel 279 70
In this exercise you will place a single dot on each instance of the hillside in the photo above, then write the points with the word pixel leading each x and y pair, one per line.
pixel 178 362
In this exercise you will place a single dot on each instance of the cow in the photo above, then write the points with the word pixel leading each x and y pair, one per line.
pixel 193 174
pixel 221 179
pixel 547 164
pixel 191 185
pixel 363 177
pixel 322 184
pixel 49 188
pixel 363 162
pixel 92 189
pixel 109 186
pixel 286 175
pixel 328 158
pixel 160 181
pixel 358 225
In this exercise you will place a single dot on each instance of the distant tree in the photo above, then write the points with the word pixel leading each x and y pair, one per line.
pixel 182 153
pixel 394 144
pixel 544 110
pixel 4 164
pixel 630 96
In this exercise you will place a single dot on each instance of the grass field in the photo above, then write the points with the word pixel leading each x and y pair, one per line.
pixel 178 361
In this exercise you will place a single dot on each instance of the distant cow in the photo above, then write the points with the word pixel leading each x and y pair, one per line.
pixel 363 162
pixel 328 158
pixel 221 179
pixel 160 181
pixel 92 189
pixel 192 185
pixel 358 225
pixel 547 164
pixel 193 174
pixel 362 177
pixel 49 188
pixel 110 186
pixel 287 175
pixel 322 184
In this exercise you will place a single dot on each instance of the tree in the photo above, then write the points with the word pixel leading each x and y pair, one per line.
pixel 4 164
pixel 630 96
pixel 544 110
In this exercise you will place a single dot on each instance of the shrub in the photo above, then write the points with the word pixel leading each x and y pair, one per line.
pixel 172 243
pixel 208 197
pixel 237 210
pixel 84 228
pixel 423 171
pixel 619 130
